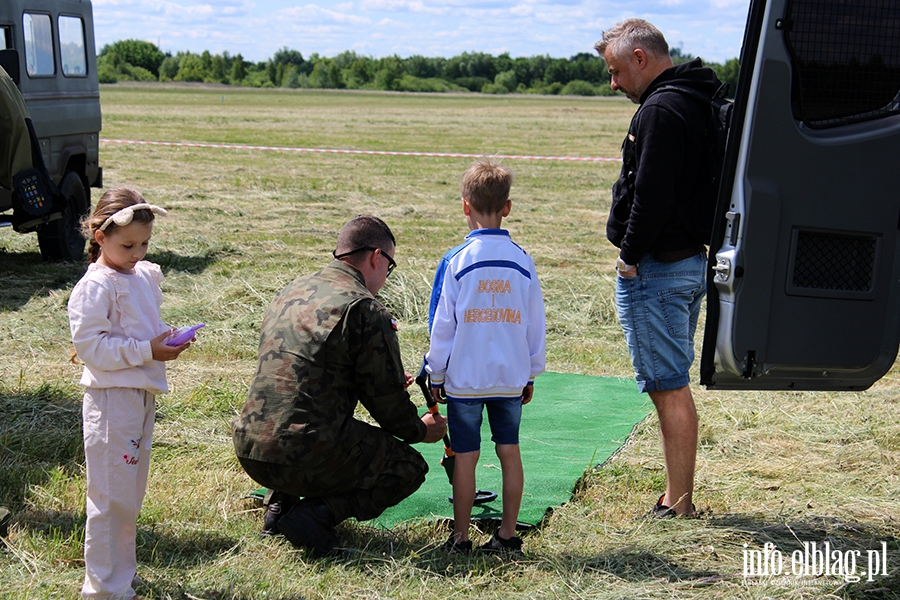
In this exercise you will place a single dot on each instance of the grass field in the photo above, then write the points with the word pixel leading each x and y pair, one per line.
pixel 785 468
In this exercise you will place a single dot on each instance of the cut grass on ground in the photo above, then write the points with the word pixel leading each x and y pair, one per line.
pixel 784 468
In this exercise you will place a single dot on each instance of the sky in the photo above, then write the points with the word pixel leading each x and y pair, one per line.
pixel 256 29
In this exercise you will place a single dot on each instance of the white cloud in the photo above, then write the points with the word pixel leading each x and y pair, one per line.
pixel 413 6
pixel 256 29
pixel 312 13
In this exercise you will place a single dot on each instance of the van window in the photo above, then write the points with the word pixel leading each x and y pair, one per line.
pixel 71 46
pixel 847 63
pixel 38 45
pixel 5 38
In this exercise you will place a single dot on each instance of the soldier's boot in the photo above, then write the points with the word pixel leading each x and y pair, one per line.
pixel 310 524
pixel 277 505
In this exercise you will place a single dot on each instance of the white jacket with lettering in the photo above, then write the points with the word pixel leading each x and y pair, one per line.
pixel 487 320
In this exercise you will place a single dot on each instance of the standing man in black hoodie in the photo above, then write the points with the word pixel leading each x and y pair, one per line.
pixel 654 222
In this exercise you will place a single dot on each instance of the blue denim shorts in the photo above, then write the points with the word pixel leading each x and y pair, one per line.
pixel 658 310
pixel 464 422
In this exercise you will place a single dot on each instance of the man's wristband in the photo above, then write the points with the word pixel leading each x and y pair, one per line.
pixel 621 265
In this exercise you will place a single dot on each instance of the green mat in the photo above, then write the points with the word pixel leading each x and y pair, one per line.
pixel 574 423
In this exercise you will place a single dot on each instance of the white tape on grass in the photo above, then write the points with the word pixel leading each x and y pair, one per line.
pixel 373 152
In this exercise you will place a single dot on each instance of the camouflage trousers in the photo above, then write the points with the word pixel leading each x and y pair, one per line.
pixel 361 481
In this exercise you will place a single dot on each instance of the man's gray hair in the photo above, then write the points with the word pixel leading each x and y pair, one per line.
pixel 630 34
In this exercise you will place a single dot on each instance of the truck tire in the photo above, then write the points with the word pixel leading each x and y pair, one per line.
pixel 62 239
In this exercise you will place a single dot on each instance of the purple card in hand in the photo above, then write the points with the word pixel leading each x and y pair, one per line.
pixel 183 334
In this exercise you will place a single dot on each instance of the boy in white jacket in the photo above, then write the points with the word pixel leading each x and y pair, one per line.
pixel 487 345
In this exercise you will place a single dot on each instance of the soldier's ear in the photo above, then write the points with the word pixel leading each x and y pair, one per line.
pixel 373 259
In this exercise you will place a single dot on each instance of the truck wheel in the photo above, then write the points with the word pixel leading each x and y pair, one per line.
pixel 62 239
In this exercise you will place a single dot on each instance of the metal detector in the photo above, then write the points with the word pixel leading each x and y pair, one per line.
pixel 449 458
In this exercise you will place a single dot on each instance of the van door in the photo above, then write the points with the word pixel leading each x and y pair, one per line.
pixel 804 289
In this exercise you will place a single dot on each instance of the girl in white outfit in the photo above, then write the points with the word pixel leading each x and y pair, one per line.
pixel 118 335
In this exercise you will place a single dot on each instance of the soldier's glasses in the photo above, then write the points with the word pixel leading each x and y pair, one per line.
pixel 391 264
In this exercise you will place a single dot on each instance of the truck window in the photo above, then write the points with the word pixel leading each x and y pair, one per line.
pixel 38 45
pixel 5 38
pixel 71 46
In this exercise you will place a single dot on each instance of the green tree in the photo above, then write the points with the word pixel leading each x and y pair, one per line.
pixel 557 71
pixel 335 81
pixel 476 64
pixel 360 73
pixel 503 63
pixel 206 61
pixel 584 73
pixel 168 70
pixel 389 74
pixel 137 53
pixel 319 76
pixel 494 88
pixel 423 67
pixel 679 56
pixel 106 73
pixel 728 73
pixel 578 87
pixel 238 70
pixel 588 67
pixel 530 71
pixel 219 69
pixel 291 78
pixel 507 79
pixel 408 83
pixel 286 56
pixel 190 68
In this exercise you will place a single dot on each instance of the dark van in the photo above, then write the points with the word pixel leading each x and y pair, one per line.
pixel 47 48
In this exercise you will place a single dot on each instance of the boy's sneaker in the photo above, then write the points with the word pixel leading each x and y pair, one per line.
pixel 453 547
pixel 498 545
pixel 5 518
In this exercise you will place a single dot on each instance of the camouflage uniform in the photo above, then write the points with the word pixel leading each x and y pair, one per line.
pixel 325 345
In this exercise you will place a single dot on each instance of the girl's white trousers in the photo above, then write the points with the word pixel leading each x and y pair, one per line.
pixel 118 427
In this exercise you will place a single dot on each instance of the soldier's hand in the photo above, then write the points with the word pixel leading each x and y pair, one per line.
pixel 437 427
pixel 409 380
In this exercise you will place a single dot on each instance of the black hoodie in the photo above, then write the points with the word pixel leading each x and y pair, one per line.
pixel 667 174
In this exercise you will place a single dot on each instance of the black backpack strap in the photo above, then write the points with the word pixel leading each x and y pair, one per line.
pixel 721 92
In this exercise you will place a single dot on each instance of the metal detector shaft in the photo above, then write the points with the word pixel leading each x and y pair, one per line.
pixel 449 456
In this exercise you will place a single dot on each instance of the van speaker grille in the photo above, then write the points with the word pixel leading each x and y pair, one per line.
pixel 834 262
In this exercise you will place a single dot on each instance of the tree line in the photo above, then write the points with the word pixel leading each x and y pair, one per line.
pixel 584 74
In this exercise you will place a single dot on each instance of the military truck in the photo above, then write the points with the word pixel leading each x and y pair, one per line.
pixel 47 48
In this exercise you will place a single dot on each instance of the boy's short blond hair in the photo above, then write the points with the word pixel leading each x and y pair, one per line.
pixel 486 186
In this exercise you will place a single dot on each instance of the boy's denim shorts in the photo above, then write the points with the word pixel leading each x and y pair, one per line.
pixel 658 310
pixel 464 422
